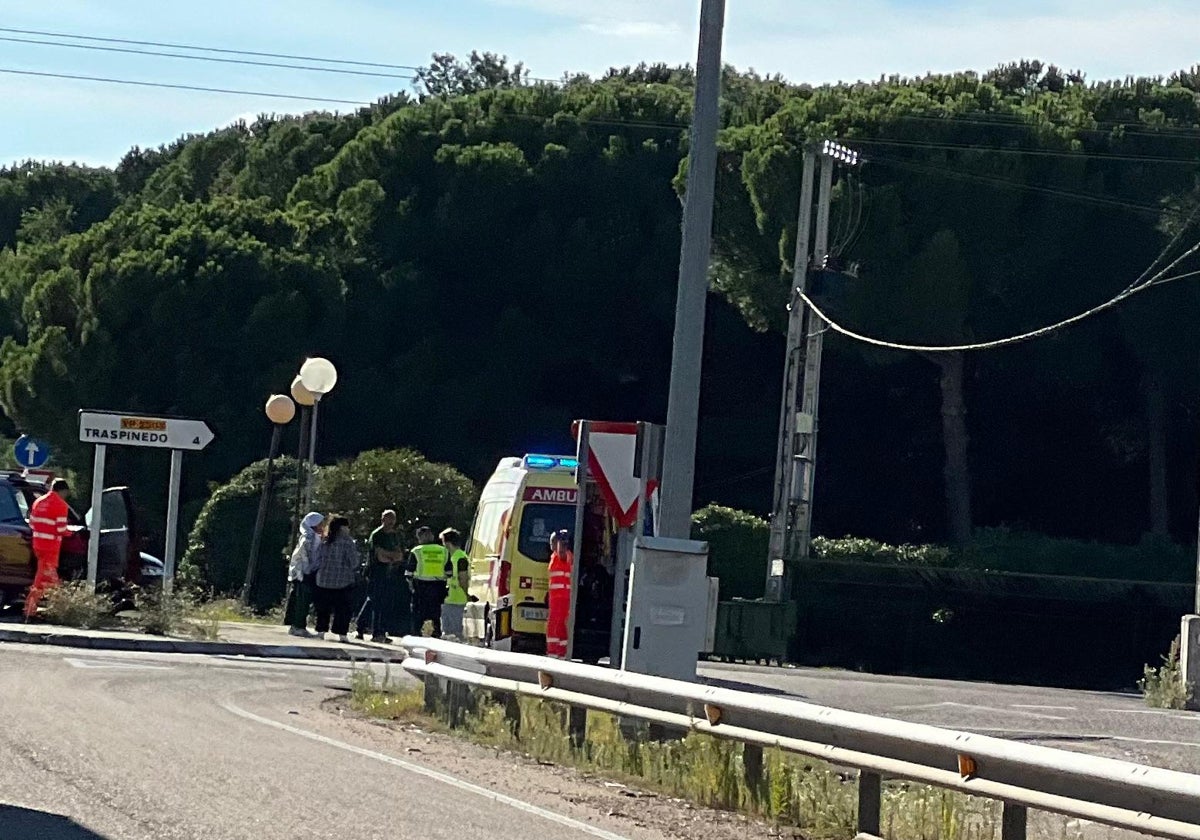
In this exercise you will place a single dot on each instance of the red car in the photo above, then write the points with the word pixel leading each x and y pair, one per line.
pixel 120 561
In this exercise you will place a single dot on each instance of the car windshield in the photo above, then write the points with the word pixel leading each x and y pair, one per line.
pixel 538 522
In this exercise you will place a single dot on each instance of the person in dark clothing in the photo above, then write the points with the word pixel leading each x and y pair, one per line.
pixel 383 613
pixel 427 575
pixel 338 560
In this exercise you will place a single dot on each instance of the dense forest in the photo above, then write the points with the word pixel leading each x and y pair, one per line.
pixel 487 258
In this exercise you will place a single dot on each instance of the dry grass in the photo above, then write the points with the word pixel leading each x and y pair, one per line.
pixel 794 791
pixel 75 604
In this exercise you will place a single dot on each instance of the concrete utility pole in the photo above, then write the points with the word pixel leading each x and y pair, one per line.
pixel 683 407
pixel 776 590
pixel 791 520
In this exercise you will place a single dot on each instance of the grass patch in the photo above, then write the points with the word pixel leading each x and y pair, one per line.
pixel 789 790
pixel 75 604
pixel 386 699
pixel 1163 687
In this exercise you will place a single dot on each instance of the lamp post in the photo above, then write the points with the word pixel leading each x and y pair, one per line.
pixel 303 398
pixel 280 410
pixel 318 376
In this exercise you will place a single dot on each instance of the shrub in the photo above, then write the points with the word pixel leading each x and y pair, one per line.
pixel 861 550
pixel 420 491
pixel 737 549
pixel 1163 687
pixel 75 604
pixel 219 543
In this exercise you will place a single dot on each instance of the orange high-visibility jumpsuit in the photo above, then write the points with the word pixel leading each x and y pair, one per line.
pixel 559 602
pixel 48 519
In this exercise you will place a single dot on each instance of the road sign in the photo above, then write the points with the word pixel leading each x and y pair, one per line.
pixel 30 453
pixel 110 428
pixel 612 450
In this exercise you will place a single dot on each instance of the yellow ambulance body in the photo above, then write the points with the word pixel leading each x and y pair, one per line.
pixel 524 502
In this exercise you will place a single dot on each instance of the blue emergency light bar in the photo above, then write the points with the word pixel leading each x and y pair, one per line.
pixel 549 462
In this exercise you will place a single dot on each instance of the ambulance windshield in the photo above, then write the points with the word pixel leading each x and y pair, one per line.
pixel 538 522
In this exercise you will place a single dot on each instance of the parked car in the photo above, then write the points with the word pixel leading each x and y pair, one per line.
pixel 120 561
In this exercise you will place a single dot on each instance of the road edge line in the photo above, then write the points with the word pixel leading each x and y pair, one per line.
pixel 436 775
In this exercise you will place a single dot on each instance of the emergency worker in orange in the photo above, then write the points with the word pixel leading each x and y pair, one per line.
pixel 562 559
pixel 48 519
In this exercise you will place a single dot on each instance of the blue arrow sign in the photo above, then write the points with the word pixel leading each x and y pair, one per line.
pixel 30 453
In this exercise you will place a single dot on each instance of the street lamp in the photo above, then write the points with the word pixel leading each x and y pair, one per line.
pixel 317 376
pixel 279 410
pixel 305 399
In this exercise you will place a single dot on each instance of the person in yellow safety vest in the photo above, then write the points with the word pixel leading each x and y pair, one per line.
pixel 48 520
pixel 427 579
pixel 458 581
pixel 562 559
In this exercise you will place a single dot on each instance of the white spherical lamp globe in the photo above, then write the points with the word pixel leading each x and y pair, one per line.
pixel 300 394
pixel 318 376
pixel 280 409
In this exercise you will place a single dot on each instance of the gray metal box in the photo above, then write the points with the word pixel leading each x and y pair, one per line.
pixel 667 619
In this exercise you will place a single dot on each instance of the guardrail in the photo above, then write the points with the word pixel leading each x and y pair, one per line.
pixel 1150 800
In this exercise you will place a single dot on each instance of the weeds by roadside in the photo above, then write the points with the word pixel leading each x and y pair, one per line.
pixel 75 604
pixel 1163 687
pixel 791 790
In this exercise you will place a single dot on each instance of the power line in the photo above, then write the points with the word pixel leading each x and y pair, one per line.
pixel 198 88
pixel 210 58
pixel 209 49
pixel 1005 182
pixel 967 147
pixel 1138 286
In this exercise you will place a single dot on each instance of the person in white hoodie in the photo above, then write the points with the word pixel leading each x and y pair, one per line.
pixel 302 575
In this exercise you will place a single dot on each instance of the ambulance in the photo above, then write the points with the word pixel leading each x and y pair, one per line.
pixel 525 501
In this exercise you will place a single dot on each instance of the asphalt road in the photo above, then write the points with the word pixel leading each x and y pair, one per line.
pixel 123 746
pixel 1117 725
pixel 134 747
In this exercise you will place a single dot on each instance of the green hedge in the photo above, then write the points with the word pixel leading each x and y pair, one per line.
pixel 737 549
pixel 738 543
pixel 421 492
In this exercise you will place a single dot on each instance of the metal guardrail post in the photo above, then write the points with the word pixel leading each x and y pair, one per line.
pixel 870 793
pixel 434 694
pixel 752 764
pixel 1013 821
pixel 577 725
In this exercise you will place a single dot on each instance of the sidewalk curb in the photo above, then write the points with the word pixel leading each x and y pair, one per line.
pixel 217 648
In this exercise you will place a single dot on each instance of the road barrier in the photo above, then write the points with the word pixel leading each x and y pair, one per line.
pixel 1150 800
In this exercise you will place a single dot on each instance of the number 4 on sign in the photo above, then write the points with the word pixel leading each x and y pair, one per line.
pixel 196 441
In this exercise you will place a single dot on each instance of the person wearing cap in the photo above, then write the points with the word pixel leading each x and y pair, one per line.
pixel 384 574
pixel 562 560
pixel 427 575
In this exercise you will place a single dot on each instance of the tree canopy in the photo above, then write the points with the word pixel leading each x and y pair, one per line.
pixel 493 256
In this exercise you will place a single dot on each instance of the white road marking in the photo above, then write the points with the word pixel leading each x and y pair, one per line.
pixel 1047 708
pixel 436 775
pixel 1178 715
pixel 948 704
pixel 113 665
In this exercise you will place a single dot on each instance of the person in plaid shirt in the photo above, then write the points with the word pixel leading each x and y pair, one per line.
pixel 337 560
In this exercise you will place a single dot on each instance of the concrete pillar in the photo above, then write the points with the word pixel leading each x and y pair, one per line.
pixel 1189 658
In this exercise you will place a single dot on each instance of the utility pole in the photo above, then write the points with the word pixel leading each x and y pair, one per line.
pixel 776 590
pixel 791 520
pixel 683 406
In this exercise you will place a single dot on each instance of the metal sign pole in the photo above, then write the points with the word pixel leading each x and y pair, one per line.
pixel 312 453
pixel 93 546
pixel 582 455
pixel 172 520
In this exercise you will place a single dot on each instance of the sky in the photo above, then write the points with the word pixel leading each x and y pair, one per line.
pixel 96 123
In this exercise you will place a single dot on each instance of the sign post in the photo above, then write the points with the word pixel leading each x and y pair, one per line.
pixel 93 546
pixel 178 434
pixel 30 454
